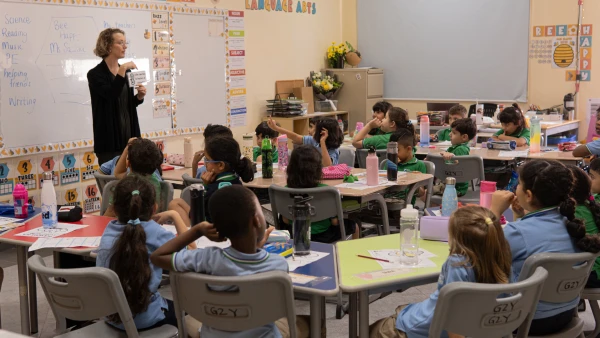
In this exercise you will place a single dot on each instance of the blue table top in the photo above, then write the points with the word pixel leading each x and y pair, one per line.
pixel 323 267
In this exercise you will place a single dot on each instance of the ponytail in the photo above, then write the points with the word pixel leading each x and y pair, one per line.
pixel 581 196
pixel 244 170
pixel 576 228
pixel 134 203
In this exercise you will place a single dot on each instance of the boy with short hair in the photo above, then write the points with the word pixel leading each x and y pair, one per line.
pixel 463 130
pixel 455 113
pixel 263 131
pixel 380 110
pixel 407 161
pixel 212 130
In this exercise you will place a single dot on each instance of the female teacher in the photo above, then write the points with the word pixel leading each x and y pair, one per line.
pixel 114 104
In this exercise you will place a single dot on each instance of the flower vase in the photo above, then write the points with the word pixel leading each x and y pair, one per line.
pixel 340 62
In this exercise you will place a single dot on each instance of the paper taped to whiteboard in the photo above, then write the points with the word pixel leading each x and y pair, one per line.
pixel 136 77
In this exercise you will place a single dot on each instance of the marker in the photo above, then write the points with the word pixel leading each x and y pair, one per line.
pixel 373 258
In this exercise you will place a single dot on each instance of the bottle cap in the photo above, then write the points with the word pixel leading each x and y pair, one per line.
pixel 409 212
pixel 19 187
pixel 197 186
pixel 47 176
pixel 424 118
pixel 451 180
pixel 282 137
pixel 371 150
pixel 266 143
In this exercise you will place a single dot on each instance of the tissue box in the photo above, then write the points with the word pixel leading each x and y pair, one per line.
pixel 176 159
pixel 434 228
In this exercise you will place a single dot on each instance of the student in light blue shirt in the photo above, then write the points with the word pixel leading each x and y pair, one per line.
pixel 327 139
pixel 212 130
pixel 547 223
pixel 245 228
pixel 108 168
pixel 125 247
pixel 473 232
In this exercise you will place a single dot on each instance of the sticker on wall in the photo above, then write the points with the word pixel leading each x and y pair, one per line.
pixel 69 169
pixel 7 178
pixel 89 165
pixel 48 163
pixel 563 53
pixel 26 173
pixel 91 201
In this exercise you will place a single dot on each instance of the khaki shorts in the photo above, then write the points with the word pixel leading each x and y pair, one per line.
pixel 386 327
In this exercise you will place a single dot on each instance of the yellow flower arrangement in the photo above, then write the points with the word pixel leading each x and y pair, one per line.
pixel 324 85
pixel 336 53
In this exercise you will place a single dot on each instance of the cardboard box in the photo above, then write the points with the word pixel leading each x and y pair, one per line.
pixel 306 94
pixel 286 87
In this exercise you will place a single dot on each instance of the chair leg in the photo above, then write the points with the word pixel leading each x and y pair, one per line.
pixel 596 311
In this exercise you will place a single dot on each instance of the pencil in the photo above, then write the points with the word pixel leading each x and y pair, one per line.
pixel 373 258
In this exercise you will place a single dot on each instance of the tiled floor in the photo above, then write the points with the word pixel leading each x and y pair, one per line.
pixel 9 303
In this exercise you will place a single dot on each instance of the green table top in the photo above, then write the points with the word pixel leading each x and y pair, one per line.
pixel 350 265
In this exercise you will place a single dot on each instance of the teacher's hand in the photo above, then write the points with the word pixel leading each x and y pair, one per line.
pixel 125 67
pixel 141 92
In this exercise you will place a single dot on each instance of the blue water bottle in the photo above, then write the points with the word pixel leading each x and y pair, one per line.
pixel 449 199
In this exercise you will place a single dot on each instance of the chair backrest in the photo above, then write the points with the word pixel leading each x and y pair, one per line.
pixel 258 300
pixel 71 297
pixel 361 156
pixel 463 168
pixel 487 310
pixel 326 201
pixel 185 195
pixel 102 180
pixel 567 274
pixel 189 180
pixel 489 109
pixel 166 195
pixel 347 156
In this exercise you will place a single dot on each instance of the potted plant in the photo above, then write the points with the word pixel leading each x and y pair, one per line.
pixel 336 55
pixel 353 57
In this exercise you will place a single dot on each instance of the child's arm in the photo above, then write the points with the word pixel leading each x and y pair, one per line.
pixel 121 167
pixel 296 138
pixel 162 256
pixel 180 226
pixel 521 141
pixel 581 151
pixel 358 138
pixel 197 158
pixel 501 201
pixel 325 159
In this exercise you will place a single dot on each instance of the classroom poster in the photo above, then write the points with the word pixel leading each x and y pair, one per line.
pixel 69 168
pixel 161 107
pixel 215 27
pixel 236 68
pixel 160 62
pixel 563 52
pixel 160 20
pixel 26 173
pixel 89 165
pixel 162 75
pixel 160 49
pixel 48 163
pixel 160 36
pixel 7 178
pixel 69 196
pixel 91 199
pixel 163 88
pixel 592 113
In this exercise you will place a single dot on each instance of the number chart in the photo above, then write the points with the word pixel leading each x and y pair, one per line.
pixel 7 178
pixel 26 173
pixel 91 202
pixel 69 169
pixel 89 165
pixel 48 163
pixel 69 196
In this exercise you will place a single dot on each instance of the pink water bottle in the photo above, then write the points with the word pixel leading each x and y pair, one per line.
pixel 372 168
pixel 21 198
pixel 485 193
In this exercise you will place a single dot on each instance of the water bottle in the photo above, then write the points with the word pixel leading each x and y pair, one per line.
pixel 513 182
pixel 267 158
pixel 197 212
pixel 21 198
pixel 392 156
pixel 282 152
pixel 409 241
pixel 424 130
pixel 301 225
pixel 359 127
pixel 188 152
pixel 341 124
pixel 449 199
pixel 248 146
pixel 48 196
pixel 372 167
pixel 536 135
pixel 486 190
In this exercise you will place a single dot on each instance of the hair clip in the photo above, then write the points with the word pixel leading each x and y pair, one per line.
pixel 409 123
pixel 489 221
pixel 134 221
pixel 591 198
pixel 135 192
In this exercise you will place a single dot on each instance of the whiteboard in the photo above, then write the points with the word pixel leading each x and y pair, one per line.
pixel 199 71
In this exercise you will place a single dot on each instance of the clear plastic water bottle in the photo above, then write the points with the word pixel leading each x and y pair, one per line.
pixel 48 197
pixel 409 240
pixel 450 198
pixel 424 130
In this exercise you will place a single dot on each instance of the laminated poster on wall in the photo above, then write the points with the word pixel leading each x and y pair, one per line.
pixel 160 49
pixel 69 168
pixel 48 163
pixel 162 75
pixel 69 196
pixel 563 52
pixel 162 88
pixel 160 20
pixel 91 199
pixel 26 173
pixel 160 62
pixel 161 108
pixel 7 178
pixel 215 27
pixel 89 165
pixel 160 36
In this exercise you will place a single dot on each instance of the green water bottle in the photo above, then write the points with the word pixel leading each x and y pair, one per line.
pixel 267 158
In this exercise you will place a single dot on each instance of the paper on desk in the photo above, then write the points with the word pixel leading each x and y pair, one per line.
pixel 65 242
pixel 298 261
pixel 8 223
pixel 393 256
pixel 60 229
pixel 512 154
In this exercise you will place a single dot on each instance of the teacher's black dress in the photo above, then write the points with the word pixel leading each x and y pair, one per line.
pixel 114 112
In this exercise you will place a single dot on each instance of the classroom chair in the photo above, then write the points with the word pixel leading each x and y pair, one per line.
pixel 1 281
pixel 567 275
pixel 489 109
pixel 593 296
pixel 464 168
pixel 347 156
pixel 361 156
pixel 87 294
pixel 189 180
pixel 166 190
pixel 479 310
pixel 430 169
pixel 259 299
pixel 102 180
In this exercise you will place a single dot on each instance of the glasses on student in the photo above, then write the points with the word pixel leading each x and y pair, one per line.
pixel 122 43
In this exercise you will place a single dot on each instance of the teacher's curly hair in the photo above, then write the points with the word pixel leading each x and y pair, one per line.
pixel 105 40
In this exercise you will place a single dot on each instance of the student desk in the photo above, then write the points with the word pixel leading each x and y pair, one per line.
pixel 550 128
pixel 176 175
pixel 494 155
pixel 350 266
pixel 27 290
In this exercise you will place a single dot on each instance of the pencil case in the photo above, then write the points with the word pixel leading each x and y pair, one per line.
pixel 279 236
pixel 434 228
pixel 284 249
pixel 501 145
